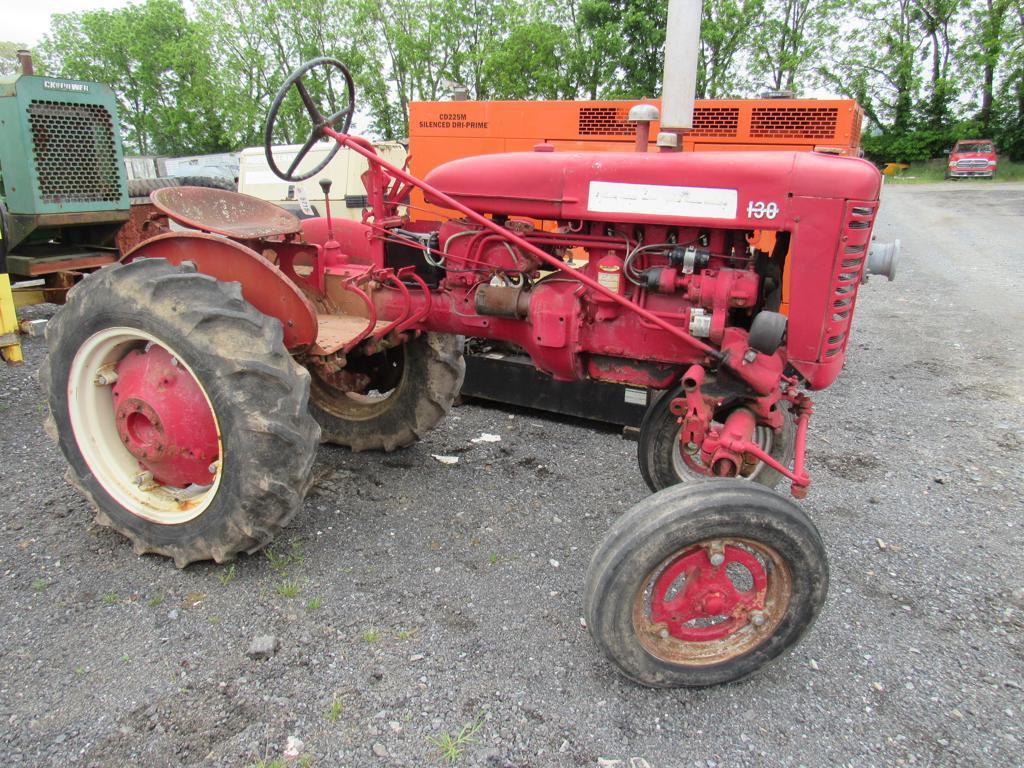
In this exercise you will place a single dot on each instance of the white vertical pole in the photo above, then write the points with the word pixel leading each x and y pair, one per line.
pixel 679 83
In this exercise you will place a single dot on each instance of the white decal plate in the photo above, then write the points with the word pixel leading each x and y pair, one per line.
pixel 661 200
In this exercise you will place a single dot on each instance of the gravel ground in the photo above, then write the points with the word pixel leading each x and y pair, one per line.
pixel 413 600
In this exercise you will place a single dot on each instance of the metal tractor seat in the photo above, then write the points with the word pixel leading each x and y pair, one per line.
pixel 220 212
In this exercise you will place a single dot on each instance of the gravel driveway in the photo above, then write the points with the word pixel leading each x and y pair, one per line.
pixel 414 602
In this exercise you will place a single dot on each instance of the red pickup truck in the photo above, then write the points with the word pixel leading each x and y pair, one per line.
pixel 972 157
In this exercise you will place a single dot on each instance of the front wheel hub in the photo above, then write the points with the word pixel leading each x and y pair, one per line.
pixel 163 418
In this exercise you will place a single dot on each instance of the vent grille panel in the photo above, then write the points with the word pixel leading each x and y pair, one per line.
pixel 716 121
pixel 794 122
pixel 605 121
pixel 847 275
pixel 75 152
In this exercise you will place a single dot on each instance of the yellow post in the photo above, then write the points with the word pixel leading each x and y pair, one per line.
pixel 10 344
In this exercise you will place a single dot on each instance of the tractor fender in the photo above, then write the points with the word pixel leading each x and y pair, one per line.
pixel 263 285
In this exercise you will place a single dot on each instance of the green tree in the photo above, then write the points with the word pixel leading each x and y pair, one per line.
pixel 157 61
pixel 8 57
pixel 724 37
pixel 790 39
pixel 935 20
pixel 258 43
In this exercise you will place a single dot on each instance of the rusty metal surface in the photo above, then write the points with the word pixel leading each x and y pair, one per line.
pixel 336 331
pixel 145 221
pixel 26 266
pixel 705 624
pixel 225 213
pixel 263 284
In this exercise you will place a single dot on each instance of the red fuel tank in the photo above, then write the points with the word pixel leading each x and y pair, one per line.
pixel 745 189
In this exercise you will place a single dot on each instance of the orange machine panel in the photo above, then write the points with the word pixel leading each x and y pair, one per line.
pixel 440 131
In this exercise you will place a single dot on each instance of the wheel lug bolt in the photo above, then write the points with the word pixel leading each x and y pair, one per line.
pixel 212 469
pixel 663 634
pixel 757 618
pixel 106 376
pixel 717 559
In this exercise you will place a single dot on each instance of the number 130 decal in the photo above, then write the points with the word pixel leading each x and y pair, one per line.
pixel 759 209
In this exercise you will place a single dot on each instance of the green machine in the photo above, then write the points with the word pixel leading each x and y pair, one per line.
pixel 63 186
pixel 63 189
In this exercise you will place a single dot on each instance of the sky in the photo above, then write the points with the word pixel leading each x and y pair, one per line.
pixel 31 21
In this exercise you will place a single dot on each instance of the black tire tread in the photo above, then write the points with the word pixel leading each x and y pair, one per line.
pixel 418 408
pixel 143 187
pixel 268 390
pixel 634 533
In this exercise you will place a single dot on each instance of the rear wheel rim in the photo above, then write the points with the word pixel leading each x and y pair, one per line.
pixel 686 613
pixel 375 399
pixel 685 467
pixel 102 430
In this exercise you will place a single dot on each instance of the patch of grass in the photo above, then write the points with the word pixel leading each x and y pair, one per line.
pixel 280 561
pixel 126 659
pixel 931 171
pixel 314 604
pixel 111 598
pixel 80 671
pixel 227 576
pixel 493 559
pixel 406 634
pixel 213 619
pixel 334 711
pixel 40 585
pixel 450 747
pixel 277 762
pixel 288 589
pixel 304 761
pixel 371 636
pixel 155 600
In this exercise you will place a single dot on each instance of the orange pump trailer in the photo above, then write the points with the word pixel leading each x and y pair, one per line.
pixel 440 131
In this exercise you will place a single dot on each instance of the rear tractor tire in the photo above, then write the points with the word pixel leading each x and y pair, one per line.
pixel 412 388
pixel 660 454
pixel 183 418
pixel 704 584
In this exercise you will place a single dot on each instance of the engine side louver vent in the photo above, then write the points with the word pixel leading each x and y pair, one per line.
pixel 847 275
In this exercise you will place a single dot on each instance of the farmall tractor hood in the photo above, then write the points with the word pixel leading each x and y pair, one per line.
pixel 652 187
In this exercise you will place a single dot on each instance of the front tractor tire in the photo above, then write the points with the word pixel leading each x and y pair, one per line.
pixel 182 416
pixel 660 455
pixel 704 584
pixel 411 389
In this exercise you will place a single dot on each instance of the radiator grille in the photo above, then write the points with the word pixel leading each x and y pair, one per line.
pixel 972 163
pixel 75 152
pixel 794 122
pixel 847 276
pixel 716 121
pixel 605 121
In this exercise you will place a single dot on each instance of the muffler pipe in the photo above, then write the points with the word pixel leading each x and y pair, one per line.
pixel 679 80
pixel 883 259
pixel 503 301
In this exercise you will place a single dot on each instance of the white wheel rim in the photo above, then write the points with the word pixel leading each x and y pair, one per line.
pixel 91 411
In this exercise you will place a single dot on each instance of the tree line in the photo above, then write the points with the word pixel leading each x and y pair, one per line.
pixel 925 71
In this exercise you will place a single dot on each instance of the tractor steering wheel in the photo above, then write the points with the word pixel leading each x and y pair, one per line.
pixel 339 121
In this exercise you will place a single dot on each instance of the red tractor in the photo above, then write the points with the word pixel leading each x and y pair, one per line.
pixel 190 385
